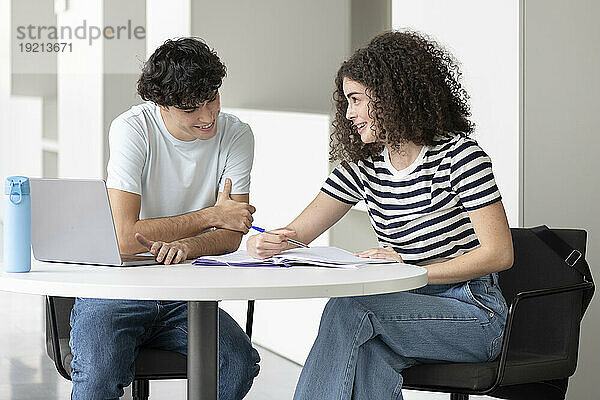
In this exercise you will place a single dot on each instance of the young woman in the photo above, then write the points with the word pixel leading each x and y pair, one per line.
pixel 401 131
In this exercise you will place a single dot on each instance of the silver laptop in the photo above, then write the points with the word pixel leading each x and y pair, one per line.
pixel 71 222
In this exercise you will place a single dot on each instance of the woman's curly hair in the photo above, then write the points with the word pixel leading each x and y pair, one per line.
pixel 414 90
pixel 183 73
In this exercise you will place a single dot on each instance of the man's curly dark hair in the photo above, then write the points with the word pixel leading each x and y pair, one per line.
pixel 183 73
pixel 413 85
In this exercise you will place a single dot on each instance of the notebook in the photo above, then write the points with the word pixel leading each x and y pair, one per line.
pixel 324 256
pixel 71 222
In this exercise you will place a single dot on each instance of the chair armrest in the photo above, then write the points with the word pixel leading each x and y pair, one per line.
pixel 545 292
pixel 513 311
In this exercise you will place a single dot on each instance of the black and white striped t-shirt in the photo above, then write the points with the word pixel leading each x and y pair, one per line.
pixel 421 211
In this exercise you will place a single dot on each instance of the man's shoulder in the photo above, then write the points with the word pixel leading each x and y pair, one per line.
pixel 139 121
pixel 233 126
pixel 138 114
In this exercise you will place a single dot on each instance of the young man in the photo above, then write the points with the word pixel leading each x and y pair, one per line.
pixel 177 169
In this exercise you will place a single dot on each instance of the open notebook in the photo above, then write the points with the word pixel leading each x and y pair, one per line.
pixel 332 257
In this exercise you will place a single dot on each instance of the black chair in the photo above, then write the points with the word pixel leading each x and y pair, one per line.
pixel 547 298
pixel 150 364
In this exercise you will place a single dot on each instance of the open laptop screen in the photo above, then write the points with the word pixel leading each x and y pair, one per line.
pixel 71 221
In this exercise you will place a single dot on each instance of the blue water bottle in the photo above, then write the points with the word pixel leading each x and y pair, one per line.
pixel 17 225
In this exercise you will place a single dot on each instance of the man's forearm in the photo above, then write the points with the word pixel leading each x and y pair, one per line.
pixel 218 241
pixel 169 229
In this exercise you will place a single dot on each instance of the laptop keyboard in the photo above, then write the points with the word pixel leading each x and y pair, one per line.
pixel 127 258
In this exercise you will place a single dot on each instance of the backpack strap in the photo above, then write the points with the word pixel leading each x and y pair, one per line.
pixel 572 257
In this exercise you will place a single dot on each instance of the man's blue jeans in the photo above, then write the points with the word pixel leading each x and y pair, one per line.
pixel 365 342
pixel 106 335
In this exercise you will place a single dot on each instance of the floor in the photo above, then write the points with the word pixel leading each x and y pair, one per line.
pixel 26 372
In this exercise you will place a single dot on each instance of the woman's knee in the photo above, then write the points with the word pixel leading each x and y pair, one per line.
pixel 342 311
pixel 338 306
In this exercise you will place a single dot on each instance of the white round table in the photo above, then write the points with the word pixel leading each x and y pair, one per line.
pixel 203 287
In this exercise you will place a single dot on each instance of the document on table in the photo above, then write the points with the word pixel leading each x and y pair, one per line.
pixel 331 257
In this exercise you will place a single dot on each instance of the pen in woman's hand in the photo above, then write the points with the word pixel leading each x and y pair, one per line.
pixel 297 243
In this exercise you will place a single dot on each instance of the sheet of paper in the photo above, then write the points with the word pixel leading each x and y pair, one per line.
pixel 324 256
pixel 328 254
pixel 240 256
pixel 298 265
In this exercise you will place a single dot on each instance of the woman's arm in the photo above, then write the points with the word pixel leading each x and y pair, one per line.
pixel 317 217
pixel 494 254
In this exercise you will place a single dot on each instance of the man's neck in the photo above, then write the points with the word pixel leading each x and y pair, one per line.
pixel 173 129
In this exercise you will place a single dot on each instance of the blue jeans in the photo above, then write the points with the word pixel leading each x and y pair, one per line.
pixel 365 342
pixel 106 336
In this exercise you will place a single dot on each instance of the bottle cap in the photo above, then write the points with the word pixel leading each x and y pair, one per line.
pixel 16 186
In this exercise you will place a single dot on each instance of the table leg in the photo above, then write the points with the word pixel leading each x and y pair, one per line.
pixel 203 350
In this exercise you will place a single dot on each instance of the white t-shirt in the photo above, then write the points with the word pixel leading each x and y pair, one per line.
pixel 173 176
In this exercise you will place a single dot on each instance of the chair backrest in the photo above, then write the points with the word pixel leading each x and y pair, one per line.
pixel 58 308
pixel 62 313
pixel 535 266
pixel 545 328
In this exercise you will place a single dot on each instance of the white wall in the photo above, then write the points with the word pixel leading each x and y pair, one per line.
pixel 166 20
pixel 20 116
pixel 484 37
pixel 280 55
pixel 5 46
pixel 290 163
pixel 283 182
pixel 95 83
pixel 122 62
pixel 33 73
pixel 80 97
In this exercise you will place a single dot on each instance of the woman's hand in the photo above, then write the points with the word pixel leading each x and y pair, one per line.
pixel 381 253
pixel 166 253
pixel 265 245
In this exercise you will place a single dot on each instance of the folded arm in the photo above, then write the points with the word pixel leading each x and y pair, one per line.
pixel 219 241
pixel 231 212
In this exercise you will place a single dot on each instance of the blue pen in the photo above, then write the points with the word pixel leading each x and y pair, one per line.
pixel 262 230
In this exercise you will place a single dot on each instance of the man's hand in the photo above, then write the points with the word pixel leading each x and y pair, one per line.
pixel 381 253
pixel 165 253
pixel 232 214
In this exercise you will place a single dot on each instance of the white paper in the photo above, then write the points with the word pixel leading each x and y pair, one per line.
pixel 324 256
pixel 328 254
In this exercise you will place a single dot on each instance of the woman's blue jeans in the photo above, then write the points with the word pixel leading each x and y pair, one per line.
pixel 106 335
pixel 365 342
